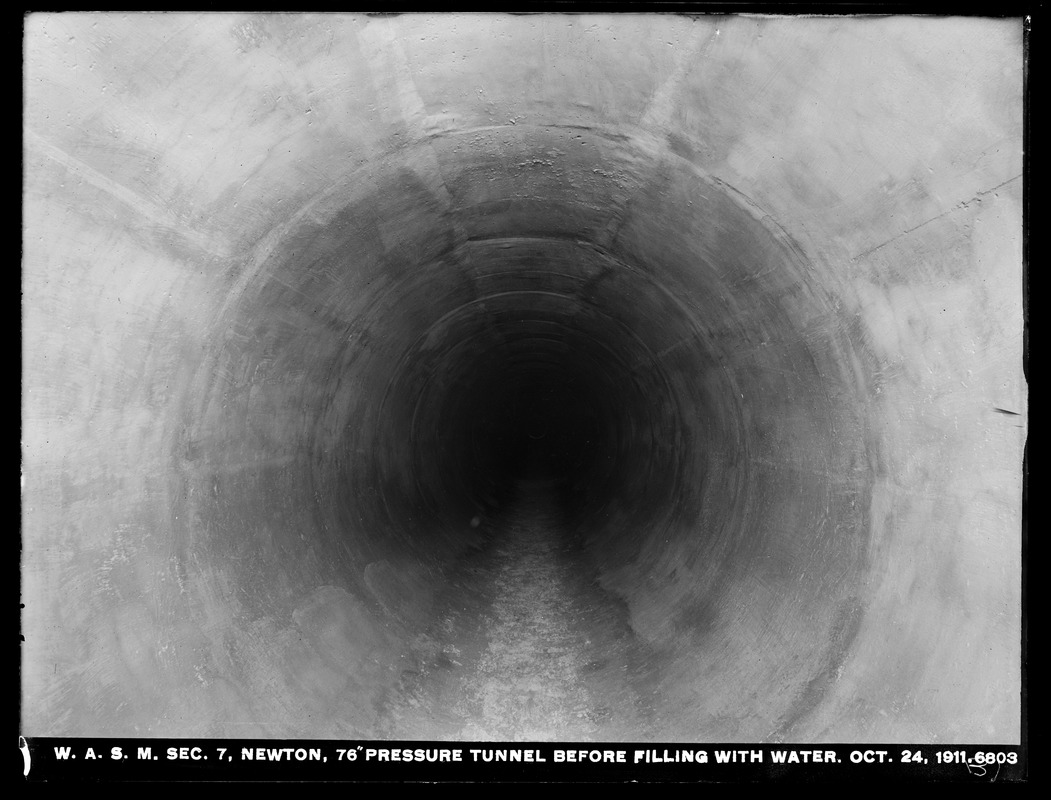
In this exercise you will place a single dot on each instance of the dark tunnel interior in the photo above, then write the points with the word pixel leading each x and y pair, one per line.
pixel 482 377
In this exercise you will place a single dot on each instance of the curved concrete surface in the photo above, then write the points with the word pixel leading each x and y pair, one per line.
pixel 355 346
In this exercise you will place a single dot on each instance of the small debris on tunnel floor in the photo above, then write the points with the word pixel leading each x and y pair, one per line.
pixel 530 667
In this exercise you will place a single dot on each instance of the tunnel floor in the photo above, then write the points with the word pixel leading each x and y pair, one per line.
pixel 528 646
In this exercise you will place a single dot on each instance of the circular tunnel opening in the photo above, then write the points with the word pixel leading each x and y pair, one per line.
pixel 540 438
pixel 383 390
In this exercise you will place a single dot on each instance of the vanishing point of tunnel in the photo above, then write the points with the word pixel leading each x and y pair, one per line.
pixel 522 377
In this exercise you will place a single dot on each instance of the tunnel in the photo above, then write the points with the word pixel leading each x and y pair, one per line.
pixel 523 377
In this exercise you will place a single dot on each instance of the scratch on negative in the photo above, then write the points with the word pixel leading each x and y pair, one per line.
pixel 957 207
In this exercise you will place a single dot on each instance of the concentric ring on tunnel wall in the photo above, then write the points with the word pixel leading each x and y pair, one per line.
pixel 653 318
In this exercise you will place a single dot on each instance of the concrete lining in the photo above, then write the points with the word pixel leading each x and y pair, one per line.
pixel 298 290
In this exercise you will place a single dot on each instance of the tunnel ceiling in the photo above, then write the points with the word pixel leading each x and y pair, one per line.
pixel 307 296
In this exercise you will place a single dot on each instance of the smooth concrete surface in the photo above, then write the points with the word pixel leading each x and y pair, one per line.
pixel 308 298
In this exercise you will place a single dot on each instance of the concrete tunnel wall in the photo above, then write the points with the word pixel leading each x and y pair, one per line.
pixel 284 275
